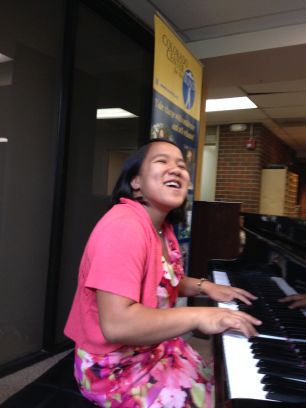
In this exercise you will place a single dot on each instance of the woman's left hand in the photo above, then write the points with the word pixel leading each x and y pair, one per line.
pixel 223 293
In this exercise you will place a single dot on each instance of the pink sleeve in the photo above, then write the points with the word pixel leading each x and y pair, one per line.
pixel 117 253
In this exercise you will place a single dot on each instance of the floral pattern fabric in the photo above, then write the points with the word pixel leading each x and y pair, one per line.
pixel 168 375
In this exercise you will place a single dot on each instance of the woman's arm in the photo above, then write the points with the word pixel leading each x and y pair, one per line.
pixel 193 287
pixel 124 321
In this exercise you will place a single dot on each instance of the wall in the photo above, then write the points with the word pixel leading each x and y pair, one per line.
pixel 239 169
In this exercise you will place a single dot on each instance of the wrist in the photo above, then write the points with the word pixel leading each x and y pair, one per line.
pixel 200 285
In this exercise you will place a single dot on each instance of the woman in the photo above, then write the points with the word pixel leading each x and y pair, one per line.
pixel 129 352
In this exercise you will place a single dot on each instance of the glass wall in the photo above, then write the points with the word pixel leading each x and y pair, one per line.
pixel 111 71
pixel 29 44
pixel 41 185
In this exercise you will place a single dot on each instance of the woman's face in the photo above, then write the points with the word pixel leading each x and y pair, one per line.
pixel 163 179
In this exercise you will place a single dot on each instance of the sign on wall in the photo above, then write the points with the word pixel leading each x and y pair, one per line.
pixel 177 87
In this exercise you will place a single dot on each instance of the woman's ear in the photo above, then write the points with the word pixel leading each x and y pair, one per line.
pixel 135 183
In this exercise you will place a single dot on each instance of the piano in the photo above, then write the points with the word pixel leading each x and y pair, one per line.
pixel 268 370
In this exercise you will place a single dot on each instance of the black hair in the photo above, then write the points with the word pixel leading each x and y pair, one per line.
pixel 130 170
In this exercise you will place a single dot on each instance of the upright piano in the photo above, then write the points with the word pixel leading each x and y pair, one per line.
pixel 268 370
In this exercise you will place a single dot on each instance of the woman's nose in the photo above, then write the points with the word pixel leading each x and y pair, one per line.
pixel 174 169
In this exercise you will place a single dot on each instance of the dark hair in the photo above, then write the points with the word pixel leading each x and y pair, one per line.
pixel 130 170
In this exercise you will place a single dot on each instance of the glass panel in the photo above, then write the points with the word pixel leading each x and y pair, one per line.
pixel 29 39
pixel 111 71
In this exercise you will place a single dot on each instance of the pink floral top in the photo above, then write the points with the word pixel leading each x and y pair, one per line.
pixel 167 291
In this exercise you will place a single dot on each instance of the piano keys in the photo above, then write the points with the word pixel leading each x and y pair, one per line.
pixel 245 359
pixel 268 370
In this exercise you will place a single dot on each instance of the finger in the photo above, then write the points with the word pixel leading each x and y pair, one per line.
pixel 249 318
pixel 290 298
pixel 285 300
pixel 248 330
pixel 242 298
pixel 240 325
pixel 247 294
pixel 298 303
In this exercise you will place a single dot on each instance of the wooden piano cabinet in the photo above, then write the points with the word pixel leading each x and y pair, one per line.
pixel 214 234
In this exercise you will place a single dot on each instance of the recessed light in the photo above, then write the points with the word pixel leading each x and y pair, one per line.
pixel 4 58
pixel 3 139
pixel 223 104
pixel 114 113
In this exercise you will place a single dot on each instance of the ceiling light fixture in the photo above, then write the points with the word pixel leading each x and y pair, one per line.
pixel 223 104
pixel 238 127
pixel 4 58
pixel 114 113
pixel 3 139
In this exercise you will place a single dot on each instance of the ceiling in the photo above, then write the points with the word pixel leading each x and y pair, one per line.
pixel 247 47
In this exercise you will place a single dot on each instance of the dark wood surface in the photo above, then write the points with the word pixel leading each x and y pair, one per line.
pixel 214 234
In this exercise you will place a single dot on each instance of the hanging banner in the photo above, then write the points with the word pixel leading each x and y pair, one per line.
pixel 177 87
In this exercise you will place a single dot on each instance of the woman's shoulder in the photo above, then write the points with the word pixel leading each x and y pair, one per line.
pixel 125 219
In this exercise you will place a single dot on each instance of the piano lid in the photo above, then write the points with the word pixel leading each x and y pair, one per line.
pixel 284 233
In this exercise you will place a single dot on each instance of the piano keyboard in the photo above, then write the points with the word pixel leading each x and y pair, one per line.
pixel 243 377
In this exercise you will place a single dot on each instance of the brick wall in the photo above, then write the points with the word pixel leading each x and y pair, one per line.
pixel 239 169
pixel 273 150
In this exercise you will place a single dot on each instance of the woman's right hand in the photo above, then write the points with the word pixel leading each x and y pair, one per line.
pixel 214 320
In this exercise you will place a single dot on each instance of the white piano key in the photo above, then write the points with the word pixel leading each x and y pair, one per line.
pixel 242 373
pixel 283 285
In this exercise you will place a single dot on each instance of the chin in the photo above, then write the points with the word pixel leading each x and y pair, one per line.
pixel 175 204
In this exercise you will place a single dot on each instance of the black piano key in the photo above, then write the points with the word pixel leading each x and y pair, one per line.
pixel 287 360
pixel 285 389
pixel 278 381
pixel 286 350
pixel 299 368
pixel 270 331
pixel 286 397
pixel 268 341
pixel 279 370
pixel 290 365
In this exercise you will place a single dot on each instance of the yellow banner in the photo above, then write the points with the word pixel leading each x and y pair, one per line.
pixel 177 74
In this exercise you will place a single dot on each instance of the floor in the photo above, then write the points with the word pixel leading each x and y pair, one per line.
pixel 12 383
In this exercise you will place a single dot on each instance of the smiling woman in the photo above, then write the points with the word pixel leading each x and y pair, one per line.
pixel 162 181
pixel 123 321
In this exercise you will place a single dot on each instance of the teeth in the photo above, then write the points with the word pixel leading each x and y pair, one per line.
pixel 172 184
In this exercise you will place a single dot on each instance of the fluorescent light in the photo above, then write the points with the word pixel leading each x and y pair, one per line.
pixel 4 58
pixel 114 113
pixel 3 139
pixel 223 104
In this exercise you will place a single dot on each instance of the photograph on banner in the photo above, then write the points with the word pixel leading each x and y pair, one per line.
pixel 185 253
pixel 184 229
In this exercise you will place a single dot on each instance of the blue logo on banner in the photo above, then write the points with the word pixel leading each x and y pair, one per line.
pixel 188 89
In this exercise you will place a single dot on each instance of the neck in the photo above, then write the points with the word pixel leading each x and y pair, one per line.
pixel 157 217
